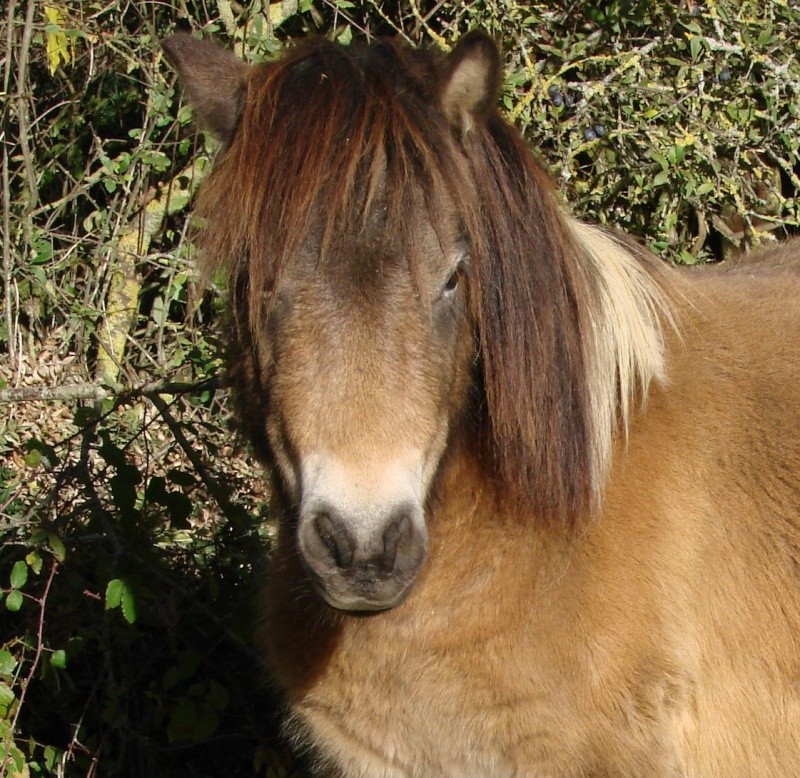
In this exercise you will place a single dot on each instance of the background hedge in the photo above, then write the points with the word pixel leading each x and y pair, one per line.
pixel 133 524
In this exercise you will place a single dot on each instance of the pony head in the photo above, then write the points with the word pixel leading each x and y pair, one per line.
pixel 402 279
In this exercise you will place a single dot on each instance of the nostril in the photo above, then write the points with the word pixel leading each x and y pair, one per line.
pixel 336 539
pixel 394 533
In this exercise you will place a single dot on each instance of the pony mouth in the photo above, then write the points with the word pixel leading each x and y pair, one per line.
pixel 361 596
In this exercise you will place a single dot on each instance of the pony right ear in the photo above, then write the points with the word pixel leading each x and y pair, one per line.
pixel 213 78
pixel 471 81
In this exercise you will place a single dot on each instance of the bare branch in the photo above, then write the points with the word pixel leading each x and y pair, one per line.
pixel 22 105
pixel 99 393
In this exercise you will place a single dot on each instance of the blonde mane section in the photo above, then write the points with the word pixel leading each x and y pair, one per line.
pixel 629 318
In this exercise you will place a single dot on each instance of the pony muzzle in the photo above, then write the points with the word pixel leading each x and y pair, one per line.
pixel 366 561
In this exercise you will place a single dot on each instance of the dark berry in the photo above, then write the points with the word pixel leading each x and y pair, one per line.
pixel 599 130
pixel 558 100
pixel 589 134
pixel 724 75
pixel 553 90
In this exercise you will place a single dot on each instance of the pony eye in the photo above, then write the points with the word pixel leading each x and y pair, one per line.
pixel 454 279
pixel 452 282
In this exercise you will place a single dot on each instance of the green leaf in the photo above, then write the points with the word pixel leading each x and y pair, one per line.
pixel 45 452
pixel 33 459
pixel 661 178
pixel 56 545
pixel 7 699
pixel 34 561
pixel 19 574
pixel 345 36
pixel 128 606
pixel 114 593
pixel 120 595
pixel 14 600
pixel 51 758
pixel 59 659
pixel 8 662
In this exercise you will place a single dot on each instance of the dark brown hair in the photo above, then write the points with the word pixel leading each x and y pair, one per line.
pixel 327 129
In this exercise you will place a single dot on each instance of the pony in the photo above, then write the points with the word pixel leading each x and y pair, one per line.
pixel 542 490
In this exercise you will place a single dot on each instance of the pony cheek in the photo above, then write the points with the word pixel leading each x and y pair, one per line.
pixel 283 459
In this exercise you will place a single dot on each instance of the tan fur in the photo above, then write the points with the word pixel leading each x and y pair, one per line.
pixel 664 641
pixel 612 582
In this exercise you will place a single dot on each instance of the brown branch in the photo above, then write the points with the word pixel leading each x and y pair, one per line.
pixel 99 393
pixel 8 260
pixel 22 106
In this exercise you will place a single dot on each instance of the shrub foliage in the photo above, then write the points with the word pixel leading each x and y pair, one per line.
pixel 133 525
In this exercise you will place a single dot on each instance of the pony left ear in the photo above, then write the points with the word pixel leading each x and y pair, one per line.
pixel 471 81
pixel 213 78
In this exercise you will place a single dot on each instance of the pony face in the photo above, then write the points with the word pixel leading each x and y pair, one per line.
pixel 353 326
pixel 367 356
pixel 349 184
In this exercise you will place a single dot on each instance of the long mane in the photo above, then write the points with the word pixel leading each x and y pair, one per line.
pixel 568 320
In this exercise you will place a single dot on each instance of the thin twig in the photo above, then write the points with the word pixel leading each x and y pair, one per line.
pixel 8 260
pixel 22 105
pixel 99 393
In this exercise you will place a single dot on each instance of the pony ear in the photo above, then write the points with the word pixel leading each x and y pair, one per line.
pixel 213 79
pixel 471 80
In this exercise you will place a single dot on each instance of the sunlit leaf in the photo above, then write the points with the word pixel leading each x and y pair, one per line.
pixel 60 47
